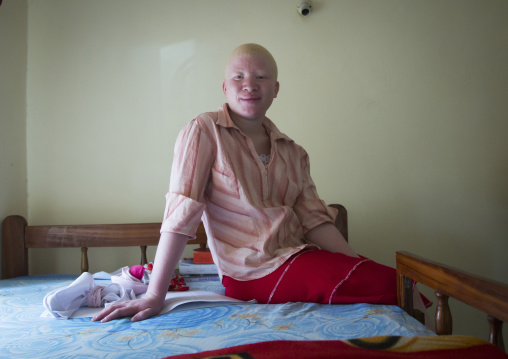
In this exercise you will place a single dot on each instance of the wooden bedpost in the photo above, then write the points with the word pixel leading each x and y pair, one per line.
pixel 341 220
pixel 14 253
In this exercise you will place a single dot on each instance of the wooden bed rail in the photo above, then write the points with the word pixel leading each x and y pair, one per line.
pixel 491 297
pixel 18 236
pixel 15 249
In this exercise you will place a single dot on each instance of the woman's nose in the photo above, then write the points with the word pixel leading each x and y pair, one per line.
pixel 249 85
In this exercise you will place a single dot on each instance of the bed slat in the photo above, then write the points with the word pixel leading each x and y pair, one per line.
pixel 496 331
pixel 444 324
pixel 84 259
pixel 144 259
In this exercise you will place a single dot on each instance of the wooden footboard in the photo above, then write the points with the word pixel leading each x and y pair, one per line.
pixel 491 297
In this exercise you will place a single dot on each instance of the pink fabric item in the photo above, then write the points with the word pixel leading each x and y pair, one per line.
pixel 137 271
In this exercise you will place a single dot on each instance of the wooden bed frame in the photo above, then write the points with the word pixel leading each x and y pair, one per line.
pixel 491 297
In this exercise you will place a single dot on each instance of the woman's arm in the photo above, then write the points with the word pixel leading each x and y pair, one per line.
pixel 328 237
pixel 169 251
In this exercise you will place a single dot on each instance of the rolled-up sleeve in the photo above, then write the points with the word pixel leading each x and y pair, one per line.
pixel 309 208
pixel 192 162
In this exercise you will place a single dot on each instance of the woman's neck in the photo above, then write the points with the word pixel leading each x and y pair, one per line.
pixel 254 129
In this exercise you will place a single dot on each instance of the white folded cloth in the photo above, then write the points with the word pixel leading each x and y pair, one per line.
pixel 61 303
pixel 127 280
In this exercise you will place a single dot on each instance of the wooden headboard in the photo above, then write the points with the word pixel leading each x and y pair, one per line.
pixel 18 237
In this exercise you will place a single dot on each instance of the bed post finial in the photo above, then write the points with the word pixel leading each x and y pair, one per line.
pixel 14 252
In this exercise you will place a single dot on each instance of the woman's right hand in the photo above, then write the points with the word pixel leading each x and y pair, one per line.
pixel 138 309
pixel 169 251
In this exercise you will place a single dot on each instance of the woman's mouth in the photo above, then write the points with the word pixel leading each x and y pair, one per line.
pixel 250 99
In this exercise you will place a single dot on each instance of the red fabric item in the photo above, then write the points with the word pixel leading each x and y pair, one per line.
pixel 178 284
pixel 338 349
pixel 319 276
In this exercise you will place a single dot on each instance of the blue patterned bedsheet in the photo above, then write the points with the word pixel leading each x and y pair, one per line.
pixel 24 334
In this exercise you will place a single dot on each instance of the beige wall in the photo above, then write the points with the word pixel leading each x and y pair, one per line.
pixel 13 52
pixel 401 106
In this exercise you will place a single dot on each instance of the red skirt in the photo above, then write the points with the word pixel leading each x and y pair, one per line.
pixel 319 276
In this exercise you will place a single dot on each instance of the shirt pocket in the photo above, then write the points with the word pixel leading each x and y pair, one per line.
pixel 224 180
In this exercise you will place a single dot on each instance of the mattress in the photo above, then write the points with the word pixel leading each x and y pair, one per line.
pixel 25 334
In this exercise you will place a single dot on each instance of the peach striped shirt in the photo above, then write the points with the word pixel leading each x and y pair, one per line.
pixel 255 216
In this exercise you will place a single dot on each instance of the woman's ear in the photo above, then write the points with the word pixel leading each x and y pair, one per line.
pixel 224 87
pixel 276 89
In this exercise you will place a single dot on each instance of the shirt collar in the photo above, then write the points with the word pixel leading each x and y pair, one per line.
pixel 225 120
